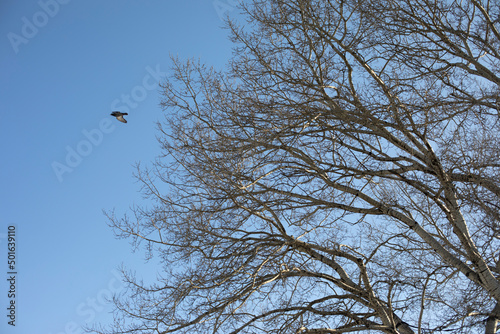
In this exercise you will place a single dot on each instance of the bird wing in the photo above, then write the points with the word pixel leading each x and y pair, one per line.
pixel 121 119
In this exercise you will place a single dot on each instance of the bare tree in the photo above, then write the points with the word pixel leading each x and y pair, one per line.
pixel 341 176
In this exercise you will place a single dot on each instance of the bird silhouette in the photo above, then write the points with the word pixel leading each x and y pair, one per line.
pixel 119 116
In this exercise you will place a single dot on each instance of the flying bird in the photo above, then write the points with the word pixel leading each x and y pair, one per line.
pixel 119 116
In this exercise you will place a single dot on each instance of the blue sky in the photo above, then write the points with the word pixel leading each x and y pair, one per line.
pixel 64 66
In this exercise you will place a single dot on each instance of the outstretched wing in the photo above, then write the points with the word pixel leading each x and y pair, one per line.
pixel 119 116
pixel 121 119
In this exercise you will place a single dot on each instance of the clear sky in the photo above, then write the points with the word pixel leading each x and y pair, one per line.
pixel 64 66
